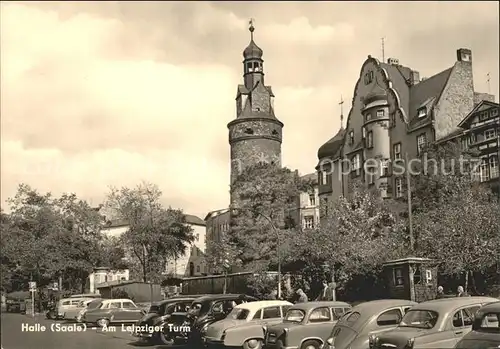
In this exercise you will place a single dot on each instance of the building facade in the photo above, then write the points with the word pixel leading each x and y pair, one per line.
pixel 103 275
pixel 256 134
pixel 306 214
pixel 217 223
pixel 394 115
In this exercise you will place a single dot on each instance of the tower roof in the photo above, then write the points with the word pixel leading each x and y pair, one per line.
pixel 332 147
pixel 252 50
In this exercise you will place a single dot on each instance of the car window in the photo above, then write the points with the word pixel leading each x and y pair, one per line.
pixel 271 313
pixel 419 318
pixel 389 318
pixel 339 312
pixel 320 315
pixel 75 302
pixel 129 305
pixel 351 318
pixel 468 315
pixel 66 303
pixel 217 307
pixel 294 315
pixel 405 309
pixel 491 321
pixel 457 319
pixel 114 305
pixel 257 315
pixel 284 309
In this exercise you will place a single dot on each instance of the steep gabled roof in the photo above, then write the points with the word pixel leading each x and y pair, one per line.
pixel 332 147
pixel 194 220
pixel 483 105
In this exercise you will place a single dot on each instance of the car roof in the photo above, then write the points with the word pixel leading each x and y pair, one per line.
pixel 310 305
pixel 254 306
pixel 381 304
pixel 213 297
pixel 175 300
pixel 117 300
pixel 493 307
pixel 445 304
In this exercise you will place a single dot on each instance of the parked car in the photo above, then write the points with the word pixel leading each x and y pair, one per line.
pixel 72 314
pixel 158 315
pixel 438 323
pixel 354 329
pixel 67 304
pixel 113 311
pixel 243 326
pixel 91 305
pixel 306 325
pixel 203 312
pixel 485 329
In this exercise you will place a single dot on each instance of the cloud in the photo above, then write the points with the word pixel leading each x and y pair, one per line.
pixel 111 93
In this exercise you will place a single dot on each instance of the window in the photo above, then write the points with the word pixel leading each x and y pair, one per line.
pixel 397 151
pixel 256 66
pixel 468 314
pixel 398 276
pixel 249 67
pixel 339 312
pixel 399 187
pixel 308 222
pixel 380 113
pixel 369 77
pixel 295 315
pixel 389 318
pixel 271 313
pixel 483 171
pixel 356 162
pixel 458 321
pixel 323 177
pixel 369 139
pixel 320 315
pixel 489 134
pixel 490 321
pixel 494 112
pixel 421 143
pixel 351 137
pixel 198 269
pixel 405 310
pixel 129 305
pixel 284 309
pixel 494 167
pixel 66 303
pixel 422 112
pixel 274 133
pixel 368 116
pixel 115 305
pixel 370 174
pixel 312 200
pixel 249 131
pixel 384 168
pixel 257 315
pixel 238 314
pixel 425 319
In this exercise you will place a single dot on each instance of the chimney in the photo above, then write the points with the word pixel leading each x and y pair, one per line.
pixel 464 55
pixel 393 61
pixel 414 77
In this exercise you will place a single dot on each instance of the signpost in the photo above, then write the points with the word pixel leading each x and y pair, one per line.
pixel 32 286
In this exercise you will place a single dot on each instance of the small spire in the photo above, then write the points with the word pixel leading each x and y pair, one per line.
pixel 251 28
pixel 341 103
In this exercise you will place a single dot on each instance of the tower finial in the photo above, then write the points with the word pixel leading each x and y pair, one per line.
pixel 341 103
pixel 383 49
pixel 251 28
pixel 488 82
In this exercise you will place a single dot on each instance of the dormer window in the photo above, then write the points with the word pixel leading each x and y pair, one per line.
pixel 422 112
pixel 249 131
pixel 351 137
pixel 380 113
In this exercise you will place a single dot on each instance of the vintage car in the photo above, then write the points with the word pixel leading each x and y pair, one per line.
pixel 354 329
pixel 158 315
pixel 306 325
pixel 243 326
pixel 72 313
pixel 440 323
pixel 91 305
pixel 113 311
pixel 205 311
pixel 485 329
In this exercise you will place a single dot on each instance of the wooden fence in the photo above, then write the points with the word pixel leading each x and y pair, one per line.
pixel 214 284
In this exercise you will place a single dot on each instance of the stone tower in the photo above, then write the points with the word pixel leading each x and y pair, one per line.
pixel 256 134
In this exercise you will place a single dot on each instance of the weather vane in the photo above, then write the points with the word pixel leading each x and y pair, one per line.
pixel 341 103
pixel 251 27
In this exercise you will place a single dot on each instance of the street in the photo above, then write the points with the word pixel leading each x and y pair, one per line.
pixel 14 338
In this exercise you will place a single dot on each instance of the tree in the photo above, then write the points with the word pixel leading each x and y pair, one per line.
pixel 357 234
pixel 457 222
pixel 155 234
pixel 266 199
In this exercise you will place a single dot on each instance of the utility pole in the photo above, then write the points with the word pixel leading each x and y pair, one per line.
pixel 383 50
pixel 410 214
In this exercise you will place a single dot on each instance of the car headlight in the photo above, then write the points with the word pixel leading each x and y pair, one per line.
pixel 373 341
pixel 410 343
pixel 329 341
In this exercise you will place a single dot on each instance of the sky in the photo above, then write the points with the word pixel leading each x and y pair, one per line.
pixel 99 94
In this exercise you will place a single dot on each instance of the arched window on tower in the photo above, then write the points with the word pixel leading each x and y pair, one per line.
pixel 249 131
pixel 256 66
pixel 249 67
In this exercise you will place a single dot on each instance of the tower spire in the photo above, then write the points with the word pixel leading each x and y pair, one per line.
pixel 488 82
pixel 341 103
pixel 251 28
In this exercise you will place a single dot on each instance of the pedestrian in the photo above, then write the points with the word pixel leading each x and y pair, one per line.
pixel 440 292
pixel 324 295
pixel 461 292
pixel 302 296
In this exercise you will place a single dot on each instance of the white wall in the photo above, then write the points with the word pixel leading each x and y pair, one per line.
pixel 100 276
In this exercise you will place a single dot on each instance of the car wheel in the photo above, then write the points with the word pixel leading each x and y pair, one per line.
pixel 310 344
pixel 103 322
pixel 253 344
pixel 166 338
